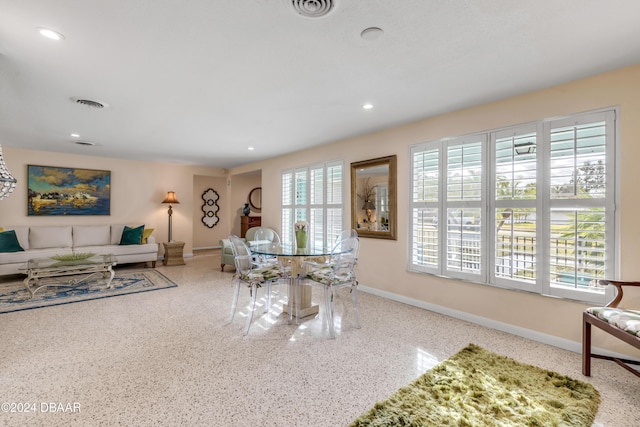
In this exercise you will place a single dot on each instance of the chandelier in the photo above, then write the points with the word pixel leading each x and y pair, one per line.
pixel 7 181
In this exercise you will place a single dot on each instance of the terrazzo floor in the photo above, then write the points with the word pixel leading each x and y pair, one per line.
pixel 169 358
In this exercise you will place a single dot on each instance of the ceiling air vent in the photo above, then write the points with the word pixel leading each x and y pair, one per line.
pixel 312 8
pixel 90 103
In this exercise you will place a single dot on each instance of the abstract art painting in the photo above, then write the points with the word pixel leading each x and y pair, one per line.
pixel 68 191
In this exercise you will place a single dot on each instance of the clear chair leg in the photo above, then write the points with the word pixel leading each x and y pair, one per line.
pixel 328 302
pixel 298 292
pixel 234 304
pixel 254 294
pixel 268 305
pixel 356 310
pixel 290 299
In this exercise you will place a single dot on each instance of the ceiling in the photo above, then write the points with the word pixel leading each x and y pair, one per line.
pixel 200 81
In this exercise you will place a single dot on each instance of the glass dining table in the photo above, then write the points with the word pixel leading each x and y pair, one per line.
pixel 289 254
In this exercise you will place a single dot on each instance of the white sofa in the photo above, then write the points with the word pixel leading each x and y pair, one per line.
pixel 46 241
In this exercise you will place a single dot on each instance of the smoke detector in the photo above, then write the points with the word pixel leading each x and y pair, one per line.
pixel 312 8
pixel 89 103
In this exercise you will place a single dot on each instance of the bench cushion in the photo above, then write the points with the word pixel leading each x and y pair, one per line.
pixel 627 320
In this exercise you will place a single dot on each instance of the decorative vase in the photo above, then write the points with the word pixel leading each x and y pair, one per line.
pixel 301 239
pixel 246 210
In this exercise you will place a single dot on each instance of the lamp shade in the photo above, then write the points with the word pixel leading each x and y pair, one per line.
pixel 171 198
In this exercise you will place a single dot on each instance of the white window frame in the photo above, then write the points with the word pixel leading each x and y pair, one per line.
pixel 543 203
pixel 292 211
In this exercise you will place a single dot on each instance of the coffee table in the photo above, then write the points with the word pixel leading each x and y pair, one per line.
pixel 43 268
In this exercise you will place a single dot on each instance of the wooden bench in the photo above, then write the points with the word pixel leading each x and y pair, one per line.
pixel 622 324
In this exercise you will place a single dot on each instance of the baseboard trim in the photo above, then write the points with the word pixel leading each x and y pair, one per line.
pixel 563 343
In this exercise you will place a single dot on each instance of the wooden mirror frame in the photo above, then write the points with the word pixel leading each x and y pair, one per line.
pixel 255 199
pixel 361 221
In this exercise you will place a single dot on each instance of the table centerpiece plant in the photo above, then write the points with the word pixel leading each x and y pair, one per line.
pixel 301 228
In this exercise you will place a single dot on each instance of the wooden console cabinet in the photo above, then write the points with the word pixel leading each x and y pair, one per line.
pixel 246 222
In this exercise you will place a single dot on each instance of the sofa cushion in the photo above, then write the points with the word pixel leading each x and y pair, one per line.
pixel 91 235
pixel 9 242
pixel 132 236
pixel 23 257
pixel 122 249
pixel 50 237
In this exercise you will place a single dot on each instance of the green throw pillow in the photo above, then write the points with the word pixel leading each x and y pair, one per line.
pixel 132 236
pixel 9 242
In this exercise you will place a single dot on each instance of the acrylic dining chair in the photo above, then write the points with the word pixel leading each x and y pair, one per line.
pixel 262 236
pixel 254 276
pixel 337 272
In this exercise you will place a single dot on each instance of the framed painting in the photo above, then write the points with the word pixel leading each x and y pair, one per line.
pixel 68 191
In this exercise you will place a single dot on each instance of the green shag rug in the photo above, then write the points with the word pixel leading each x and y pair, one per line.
pixel 478 388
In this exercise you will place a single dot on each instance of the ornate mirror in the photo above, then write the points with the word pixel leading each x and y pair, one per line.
pixel 373 197
pixel 255 199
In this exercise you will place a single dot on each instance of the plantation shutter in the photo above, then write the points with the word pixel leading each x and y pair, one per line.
pixel 580 204
pixel 314 195
pixel 463 250
pixel 529 207
pixel 515 233
pixel 286 220
pixel 335 203
pixel 425 211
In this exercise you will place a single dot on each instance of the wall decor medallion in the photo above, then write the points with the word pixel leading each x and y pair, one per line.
pixel 210 208
pixel 67 191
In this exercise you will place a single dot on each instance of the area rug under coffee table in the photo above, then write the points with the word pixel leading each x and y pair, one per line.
pixel 476 387
pixel 15 297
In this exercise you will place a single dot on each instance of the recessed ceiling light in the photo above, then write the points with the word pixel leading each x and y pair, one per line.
pixel 371 33
pixel 86 143
pixel 50 34
pixel 75 135
pixel 367 106
pixel 250 148
pixel 91 103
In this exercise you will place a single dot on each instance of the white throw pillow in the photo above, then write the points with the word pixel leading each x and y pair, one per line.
pixel 50 237
pixel 116 234
pixel 91 235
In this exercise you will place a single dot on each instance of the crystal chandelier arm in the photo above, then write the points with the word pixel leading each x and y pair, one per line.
pixel 7 181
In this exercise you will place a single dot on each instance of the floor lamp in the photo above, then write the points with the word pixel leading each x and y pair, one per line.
pixel 170 198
